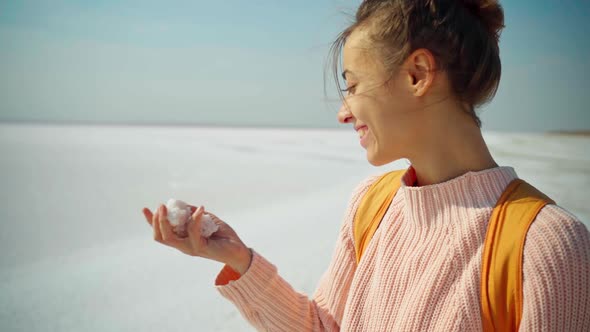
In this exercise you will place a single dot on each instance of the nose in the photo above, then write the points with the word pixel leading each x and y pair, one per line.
pixel 344 114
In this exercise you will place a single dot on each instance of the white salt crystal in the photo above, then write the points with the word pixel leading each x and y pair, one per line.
pixel 208 226
pixel 179 214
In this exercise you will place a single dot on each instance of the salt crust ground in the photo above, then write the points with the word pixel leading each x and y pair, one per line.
pixel 77 255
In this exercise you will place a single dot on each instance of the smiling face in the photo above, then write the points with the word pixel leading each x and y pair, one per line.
pixel 379 103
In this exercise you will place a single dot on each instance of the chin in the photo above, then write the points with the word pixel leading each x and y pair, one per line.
pixel 378 157
pixel 376 160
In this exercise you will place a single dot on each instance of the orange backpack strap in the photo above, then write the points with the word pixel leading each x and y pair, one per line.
pixel 372 208
pixel 501 275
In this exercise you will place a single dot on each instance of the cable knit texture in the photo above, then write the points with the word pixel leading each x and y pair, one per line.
pixel 422 269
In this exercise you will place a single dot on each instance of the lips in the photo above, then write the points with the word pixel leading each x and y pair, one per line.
pixel 362 130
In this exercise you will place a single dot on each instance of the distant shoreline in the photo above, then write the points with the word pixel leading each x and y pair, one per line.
pixel 583 133
pixel 577 133
pixel 169 125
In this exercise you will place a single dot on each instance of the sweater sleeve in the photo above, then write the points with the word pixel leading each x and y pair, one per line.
pixel 269 303
pixel 556 273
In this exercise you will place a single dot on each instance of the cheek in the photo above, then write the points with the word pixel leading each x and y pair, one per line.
pixel 381 113
pixel 358 108
pixel 390 124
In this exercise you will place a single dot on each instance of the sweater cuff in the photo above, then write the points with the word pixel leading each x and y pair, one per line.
pixel 226 275
pixel 241 290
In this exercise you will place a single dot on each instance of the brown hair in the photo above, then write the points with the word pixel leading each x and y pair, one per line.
pixel 462 35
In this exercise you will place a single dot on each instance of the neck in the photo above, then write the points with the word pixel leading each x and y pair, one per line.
pixel 450 146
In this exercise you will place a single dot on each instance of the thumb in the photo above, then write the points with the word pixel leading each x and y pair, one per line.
pixel 197 242
pixel 195 226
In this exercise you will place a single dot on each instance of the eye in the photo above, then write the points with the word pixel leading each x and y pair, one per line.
pixel 349 90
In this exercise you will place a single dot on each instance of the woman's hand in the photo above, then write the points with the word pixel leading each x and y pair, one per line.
pixel 223 246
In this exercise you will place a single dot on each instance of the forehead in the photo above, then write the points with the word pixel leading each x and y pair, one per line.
pixel 358 55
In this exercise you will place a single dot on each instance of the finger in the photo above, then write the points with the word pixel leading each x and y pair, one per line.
pixel 165 228
pixel 194 228
pixel 156 227
pixel 148 215
pixel 194 232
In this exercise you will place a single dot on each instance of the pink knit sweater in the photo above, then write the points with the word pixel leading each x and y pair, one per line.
pixel 421 271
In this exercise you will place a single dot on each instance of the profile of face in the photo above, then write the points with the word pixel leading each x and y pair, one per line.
pixel 381 103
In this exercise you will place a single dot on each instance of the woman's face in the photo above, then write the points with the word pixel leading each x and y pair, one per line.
pixel 377 102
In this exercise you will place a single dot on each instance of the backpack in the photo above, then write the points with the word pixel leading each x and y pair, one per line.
pixel 501 274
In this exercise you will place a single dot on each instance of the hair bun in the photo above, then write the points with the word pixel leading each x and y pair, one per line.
pixel 489 12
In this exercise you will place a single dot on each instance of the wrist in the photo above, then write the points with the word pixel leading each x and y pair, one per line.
pixel 243 262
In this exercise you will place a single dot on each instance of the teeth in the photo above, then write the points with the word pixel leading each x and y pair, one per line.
pixel 362 132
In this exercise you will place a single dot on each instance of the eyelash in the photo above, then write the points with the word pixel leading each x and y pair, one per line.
pixel 348 89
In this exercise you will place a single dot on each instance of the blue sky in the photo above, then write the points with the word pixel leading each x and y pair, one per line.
pixel 252 63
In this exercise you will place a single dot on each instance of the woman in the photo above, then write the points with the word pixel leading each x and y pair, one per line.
pixel 414 71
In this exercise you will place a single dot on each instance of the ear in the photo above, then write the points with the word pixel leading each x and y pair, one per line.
pixel 421 70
